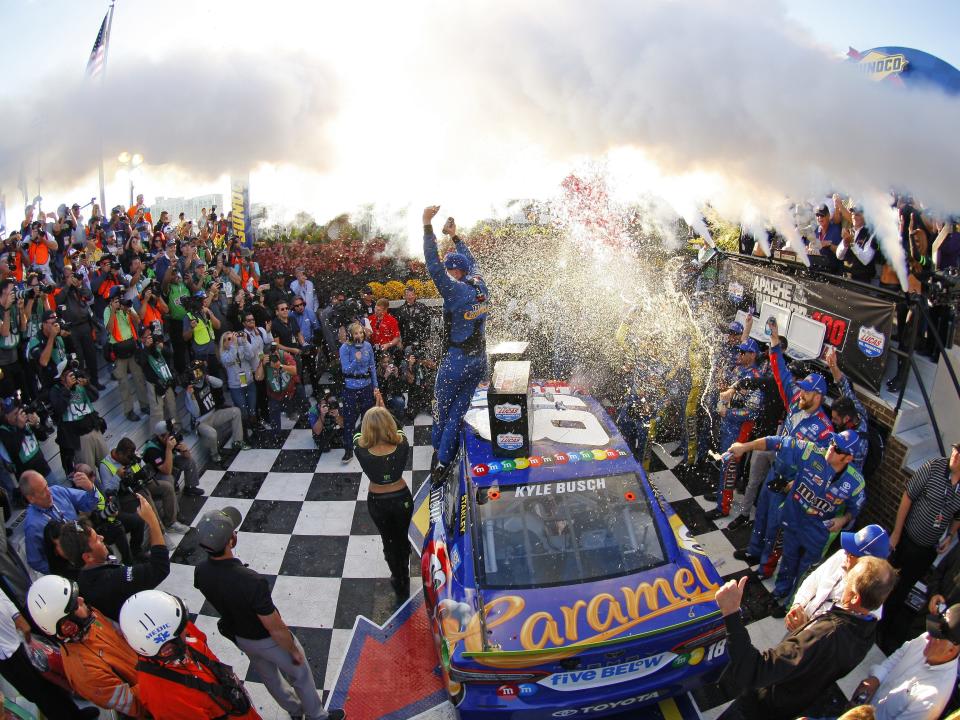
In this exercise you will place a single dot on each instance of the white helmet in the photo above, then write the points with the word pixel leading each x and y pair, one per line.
pixel 51 599
pixel 150 619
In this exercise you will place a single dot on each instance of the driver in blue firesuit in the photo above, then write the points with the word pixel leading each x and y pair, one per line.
pixel 736 424
pixel 806 420
pixel 824 495
pixel 465 309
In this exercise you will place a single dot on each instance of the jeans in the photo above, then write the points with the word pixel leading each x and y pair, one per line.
pixel 355 403
pixel 760 464
pixel 291 405
pixel 245 398
pixel 277 671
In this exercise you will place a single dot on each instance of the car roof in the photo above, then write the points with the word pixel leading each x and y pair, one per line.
pixel 556 463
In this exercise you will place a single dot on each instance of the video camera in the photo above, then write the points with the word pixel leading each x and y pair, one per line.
pixel 137 473
pixel 943 289
pixel 195 375
pixel 42 411
pixel 192 304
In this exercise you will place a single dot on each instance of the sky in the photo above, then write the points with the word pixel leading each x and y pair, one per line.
pixel 331 106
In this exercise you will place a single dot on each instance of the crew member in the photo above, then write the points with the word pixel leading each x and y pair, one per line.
pixel 824 494
pixel 847 412
pixel 737 411
pixel 465 310
pixel 806 420
pixel 178 676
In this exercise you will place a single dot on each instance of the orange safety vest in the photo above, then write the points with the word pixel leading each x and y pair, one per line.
pixel 17 265
pixel 149 315
pixel 244 276
pixel 105 287
pixel 38 252
pixel 115 329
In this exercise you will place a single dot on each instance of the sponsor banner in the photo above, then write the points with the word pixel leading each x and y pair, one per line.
pixel 858 325
pixel 240 207
pixel 507 412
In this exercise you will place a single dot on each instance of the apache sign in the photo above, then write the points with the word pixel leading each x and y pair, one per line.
pixel 859 326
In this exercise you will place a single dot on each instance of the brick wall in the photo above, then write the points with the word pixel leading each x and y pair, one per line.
pixel 885 488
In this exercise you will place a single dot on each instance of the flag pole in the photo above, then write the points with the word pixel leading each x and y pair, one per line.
pixel 103 75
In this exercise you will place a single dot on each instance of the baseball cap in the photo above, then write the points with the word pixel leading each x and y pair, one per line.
pixel 9 404
pixel 822 210
pixel 749 346
pixel 216 527
pixel 869 540
pixel 116 291
pixel 161 428
pixel 945 626
pixel 814 382
pixel 856 208
pixel 456 261
pixel 47 315
pixel 366 290
pixel 845 441
pixel 735 327
pixel 200 294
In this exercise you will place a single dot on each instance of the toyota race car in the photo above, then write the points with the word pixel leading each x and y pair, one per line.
pixel 562 584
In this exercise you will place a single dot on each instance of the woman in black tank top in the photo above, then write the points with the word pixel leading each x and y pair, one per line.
pixel 382 450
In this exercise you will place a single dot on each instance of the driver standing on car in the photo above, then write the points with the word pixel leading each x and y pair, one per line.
pixel 465 310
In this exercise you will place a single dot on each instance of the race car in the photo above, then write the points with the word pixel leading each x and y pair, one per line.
pixel 562 584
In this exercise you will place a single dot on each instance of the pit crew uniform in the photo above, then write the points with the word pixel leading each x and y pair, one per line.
pixel 817 494
pixel 860 450
pixel 737 426
pixel 815 427
pixel 464 363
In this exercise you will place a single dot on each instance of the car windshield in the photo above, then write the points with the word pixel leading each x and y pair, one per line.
pixel 571 531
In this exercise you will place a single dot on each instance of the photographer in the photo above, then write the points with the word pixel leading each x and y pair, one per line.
pixel 74 308
pixel 21 433
pixel 167 454
pixel 242 361
pixel 177 296
pixel 46 349
pixel 106 584
pixel 39 249
pixel 12 324
pixel 153 310
pixel 106 282
pixel 224 274
pixel 78 424
pixel 138 279
pixel 208 414
pixel 12 258
pixel 154 360
pixel 199 326
pixel 111 521
pixel 413 319
pixel 419 373
pixel 391 385
pixel 120 322
pixel 248 271
pixel 326 422
pixel 284 391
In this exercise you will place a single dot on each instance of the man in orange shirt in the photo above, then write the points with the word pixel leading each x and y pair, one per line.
pixel 99 665
pixel 179 677
pixel 139 210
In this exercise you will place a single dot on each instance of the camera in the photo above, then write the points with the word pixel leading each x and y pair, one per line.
pixel 330 400
pixel 944 288
pixel 115 265
pixel 192 304
pixel 42 411
pixel 110 510
pixel 137 474
pixel 274 357
pixel 778 484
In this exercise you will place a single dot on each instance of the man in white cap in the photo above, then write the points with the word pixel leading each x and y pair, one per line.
pixel 248 617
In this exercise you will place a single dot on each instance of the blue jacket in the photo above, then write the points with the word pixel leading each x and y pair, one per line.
pixel 819 491
pixel 749 402
pixel 351 366
pixel 860 449
pixel 67 503
pixel 465 305
pixel 307 320
pixel 815 427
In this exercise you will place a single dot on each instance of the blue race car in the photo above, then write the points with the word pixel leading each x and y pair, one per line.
pixel 562 584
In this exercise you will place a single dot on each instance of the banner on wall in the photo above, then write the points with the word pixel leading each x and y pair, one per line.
pixel 240 207
pixel 859 326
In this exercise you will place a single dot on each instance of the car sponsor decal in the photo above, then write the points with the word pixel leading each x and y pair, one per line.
pixel 871 341
pixel 558 488
pixel 609 675
pixel 510 441
pixel 507 412
pixel 605 706
pixel 534 461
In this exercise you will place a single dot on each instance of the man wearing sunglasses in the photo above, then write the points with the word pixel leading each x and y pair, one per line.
pixel 824 495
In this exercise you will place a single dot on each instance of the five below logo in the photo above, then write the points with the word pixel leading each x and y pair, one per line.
pixel 879 66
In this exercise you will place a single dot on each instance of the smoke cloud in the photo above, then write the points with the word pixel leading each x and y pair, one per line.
pixel 201 116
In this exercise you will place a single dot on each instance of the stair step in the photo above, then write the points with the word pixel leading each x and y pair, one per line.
pixel 915 460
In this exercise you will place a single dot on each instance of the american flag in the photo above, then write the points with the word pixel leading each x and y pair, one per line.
pixel 99 53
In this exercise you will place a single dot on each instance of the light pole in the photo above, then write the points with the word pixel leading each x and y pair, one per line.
pixel 131 162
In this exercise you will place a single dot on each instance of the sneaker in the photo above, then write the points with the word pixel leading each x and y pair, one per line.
pixel 777 609
pixel 710 497
pixel 678 451
pixel 178 527
pixel 132 416
pixel 347 456
pixel 193 491
pixel 746 557
pixel 144 411
pixel 238 446
pixel 738 522
pixel 98 385
pixel 715 514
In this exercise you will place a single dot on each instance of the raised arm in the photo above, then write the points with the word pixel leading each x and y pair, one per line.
pixel 431 255
pixel 778 366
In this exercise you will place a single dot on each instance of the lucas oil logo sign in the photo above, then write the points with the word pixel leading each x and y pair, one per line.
pixel 871 342
pixel 510 441
pixel 507 412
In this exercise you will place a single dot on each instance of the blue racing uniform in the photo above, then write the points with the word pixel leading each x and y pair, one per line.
pixel 464 363
pixel 359 382
pixel 736 426
pixel 815 427
pixel 816 495
pixel 860 451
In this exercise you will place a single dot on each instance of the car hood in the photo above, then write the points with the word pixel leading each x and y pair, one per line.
pixel 560 621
